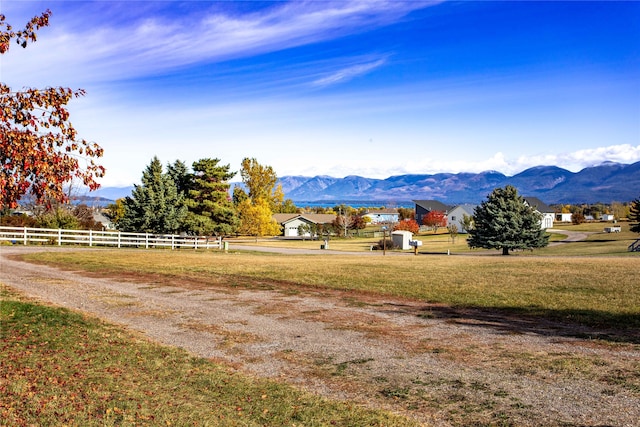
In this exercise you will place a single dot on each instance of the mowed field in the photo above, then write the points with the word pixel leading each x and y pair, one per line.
pixel 587 290
pixel 596 291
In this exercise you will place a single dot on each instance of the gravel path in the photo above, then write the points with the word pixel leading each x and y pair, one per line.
pixel 438 365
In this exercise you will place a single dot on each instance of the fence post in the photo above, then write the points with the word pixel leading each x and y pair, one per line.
pixel 25 236
pixel 90 238
pixel 146 240
pixel 172 241
pixel 59 237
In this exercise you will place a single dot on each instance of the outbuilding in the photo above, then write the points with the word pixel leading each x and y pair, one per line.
pixel 401 238
pixel 291 222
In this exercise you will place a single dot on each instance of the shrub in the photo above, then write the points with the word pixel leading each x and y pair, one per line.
pixel 408 225
pixel 577 218
pixel 381 244
pixel 21 220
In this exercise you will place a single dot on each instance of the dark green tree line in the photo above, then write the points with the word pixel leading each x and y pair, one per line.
pixel 198 202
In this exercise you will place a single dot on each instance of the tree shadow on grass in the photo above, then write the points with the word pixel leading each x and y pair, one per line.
pixel 586 324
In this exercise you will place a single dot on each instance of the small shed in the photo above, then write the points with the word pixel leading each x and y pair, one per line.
pixel 401 239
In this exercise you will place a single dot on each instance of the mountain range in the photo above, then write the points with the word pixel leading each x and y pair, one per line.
pixel 606 183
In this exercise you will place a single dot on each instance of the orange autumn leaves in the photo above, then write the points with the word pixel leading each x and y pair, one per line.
pixel 39 149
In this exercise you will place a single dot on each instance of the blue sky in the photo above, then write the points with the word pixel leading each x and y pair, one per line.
pixel 370 88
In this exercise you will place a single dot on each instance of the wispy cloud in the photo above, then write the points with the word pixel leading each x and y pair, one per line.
pixel 90 47
pixel 349 73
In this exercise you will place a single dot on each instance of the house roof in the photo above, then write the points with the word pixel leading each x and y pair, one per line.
pixel 538 204
pixel 432 205
pixel 282 218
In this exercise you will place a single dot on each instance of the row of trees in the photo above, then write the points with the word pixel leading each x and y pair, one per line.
pixel 198 202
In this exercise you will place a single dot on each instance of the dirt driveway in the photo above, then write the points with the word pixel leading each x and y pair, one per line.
pixel 439 365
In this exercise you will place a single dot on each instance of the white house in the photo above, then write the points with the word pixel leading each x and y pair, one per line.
pixel 291 222
pixel 548 214
pixel 456 216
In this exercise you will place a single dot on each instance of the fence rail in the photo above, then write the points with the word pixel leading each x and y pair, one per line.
pixel 26 235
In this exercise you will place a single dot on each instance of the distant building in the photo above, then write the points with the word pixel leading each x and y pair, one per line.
pixel 564 217
pixel 423 207
pixel 291 222
pixel 548 214
pixel 456 216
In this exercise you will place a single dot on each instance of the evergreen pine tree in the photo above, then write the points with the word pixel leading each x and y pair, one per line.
pixel 504 221
pixel 211 212
pixel 179 173
pixel 154 206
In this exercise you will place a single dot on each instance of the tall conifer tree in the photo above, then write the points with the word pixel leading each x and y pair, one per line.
pixel 504 221
pixel 179 173
pixel 154 206
pixel 211 211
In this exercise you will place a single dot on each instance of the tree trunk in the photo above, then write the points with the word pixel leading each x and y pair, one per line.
pixel 505 251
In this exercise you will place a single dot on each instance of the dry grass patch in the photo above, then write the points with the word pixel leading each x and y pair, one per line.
pixel 599 292
pixel 160 314
pixel 115 300
pixel 230 339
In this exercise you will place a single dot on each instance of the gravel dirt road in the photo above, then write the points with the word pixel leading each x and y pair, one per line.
pixel 439 365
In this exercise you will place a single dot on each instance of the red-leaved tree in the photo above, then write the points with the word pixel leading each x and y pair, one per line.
pixel 435 219
pixel 407 225
pixel 39 149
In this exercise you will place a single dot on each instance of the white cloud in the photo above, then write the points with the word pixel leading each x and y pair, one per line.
pixel 349 73
pixel 82 47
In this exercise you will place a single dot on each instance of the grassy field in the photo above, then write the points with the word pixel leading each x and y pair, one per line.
pixel 596 291
pixel 59 368
pixel 597 243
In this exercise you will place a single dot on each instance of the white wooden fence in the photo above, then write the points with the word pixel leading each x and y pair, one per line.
pixel 26 235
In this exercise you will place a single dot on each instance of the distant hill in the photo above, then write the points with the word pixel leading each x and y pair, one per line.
pixel 605 183
pixel 608 182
